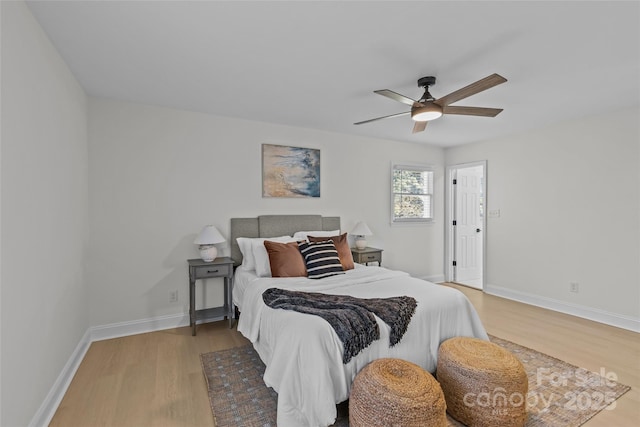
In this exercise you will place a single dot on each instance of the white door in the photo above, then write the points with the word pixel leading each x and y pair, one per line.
pixel 469 224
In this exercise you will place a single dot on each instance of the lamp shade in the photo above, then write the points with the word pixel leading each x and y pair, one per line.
pixel 361 229
pixel 209 236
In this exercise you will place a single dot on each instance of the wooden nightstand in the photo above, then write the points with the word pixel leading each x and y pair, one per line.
pixel 199 269
pixel 367 255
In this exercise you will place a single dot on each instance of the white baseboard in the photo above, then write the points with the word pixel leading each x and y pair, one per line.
pixel 602 316
pixel 50 404
pixel 141 326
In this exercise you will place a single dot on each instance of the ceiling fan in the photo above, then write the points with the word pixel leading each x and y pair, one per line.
pixel 428 108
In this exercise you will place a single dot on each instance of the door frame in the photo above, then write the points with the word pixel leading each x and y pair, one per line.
pixel 449 272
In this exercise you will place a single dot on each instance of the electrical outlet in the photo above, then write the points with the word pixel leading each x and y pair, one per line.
pixel 574 287
pixel 173 296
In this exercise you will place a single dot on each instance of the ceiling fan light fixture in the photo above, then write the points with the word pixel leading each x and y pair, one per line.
pixel 427 113
pixel 428 108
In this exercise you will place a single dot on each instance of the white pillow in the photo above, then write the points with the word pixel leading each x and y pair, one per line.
pixel 246 247
pixel 302 235
pixel 248 262
pixel 261 257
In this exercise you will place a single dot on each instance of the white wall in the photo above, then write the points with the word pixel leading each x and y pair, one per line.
pixel 569 198
pixel 158 175
pixel 44 215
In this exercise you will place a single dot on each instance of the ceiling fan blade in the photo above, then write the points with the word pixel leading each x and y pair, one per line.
pixel 396 96
pixel 472 111
pixel 479 86
pixel 384 117
pixel 419 127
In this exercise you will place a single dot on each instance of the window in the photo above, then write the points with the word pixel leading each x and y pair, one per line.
pixel 412 193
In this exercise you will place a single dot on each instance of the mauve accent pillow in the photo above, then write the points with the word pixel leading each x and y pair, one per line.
pixel 342 246
pixel 285 259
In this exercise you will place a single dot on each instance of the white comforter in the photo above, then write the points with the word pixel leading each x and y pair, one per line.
pixel 303 354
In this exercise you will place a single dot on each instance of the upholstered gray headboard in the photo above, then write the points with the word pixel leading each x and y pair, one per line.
pixel 277 225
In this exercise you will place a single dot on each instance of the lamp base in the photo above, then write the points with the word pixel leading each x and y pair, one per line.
pixel 361 243
pixel 208 252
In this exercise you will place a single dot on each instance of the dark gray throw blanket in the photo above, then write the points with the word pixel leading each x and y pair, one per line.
pixel 352 318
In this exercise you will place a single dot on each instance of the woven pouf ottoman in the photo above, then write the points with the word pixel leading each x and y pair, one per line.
pixel 394 392
pixel 483 384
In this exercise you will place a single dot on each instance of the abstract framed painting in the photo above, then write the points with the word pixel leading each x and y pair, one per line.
pixel 290 171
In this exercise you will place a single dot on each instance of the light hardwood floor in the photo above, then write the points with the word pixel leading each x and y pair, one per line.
pixel 155 379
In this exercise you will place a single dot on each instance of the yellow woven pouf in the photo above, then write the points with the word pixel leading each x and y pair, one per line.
pixel 394 392
pixel 483 384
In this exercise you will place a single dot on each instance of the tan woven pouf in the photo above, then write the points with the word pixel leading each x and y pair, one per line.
pixel 394 392
pixel 483 384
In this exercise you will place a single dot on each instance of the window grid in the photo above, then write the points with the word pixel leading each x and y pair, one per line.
pixel 412 194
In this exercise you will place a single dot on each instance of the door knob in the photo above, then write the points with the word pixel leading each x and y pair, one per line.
pixel 478 230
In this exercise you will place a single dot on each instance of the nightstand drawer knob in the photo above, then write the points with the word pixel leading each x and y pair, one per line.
pixel 370 257
pixel 212 271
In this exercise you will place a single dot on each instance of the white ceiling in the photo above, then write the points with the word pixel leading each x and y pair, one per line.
pixel 316 64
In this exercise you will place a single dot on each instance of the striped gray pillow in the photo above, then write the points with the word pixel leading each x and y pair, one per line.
pixel 321 259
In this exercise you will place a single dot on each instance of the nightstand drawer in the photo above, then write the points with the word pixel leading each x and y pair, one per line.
pixel 375 257
pixel 204 271
pixel 367 255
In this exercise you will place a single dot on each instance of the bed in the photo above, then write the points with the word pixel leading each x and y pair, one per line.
pixel 302 353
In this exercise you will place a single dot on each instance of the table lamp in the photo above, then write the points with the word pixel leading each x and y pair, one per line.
pixel 207 239
pixel 361 230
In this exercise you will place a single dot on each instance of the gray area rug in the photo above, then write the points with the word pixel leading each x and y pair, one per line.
pixel 560 394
